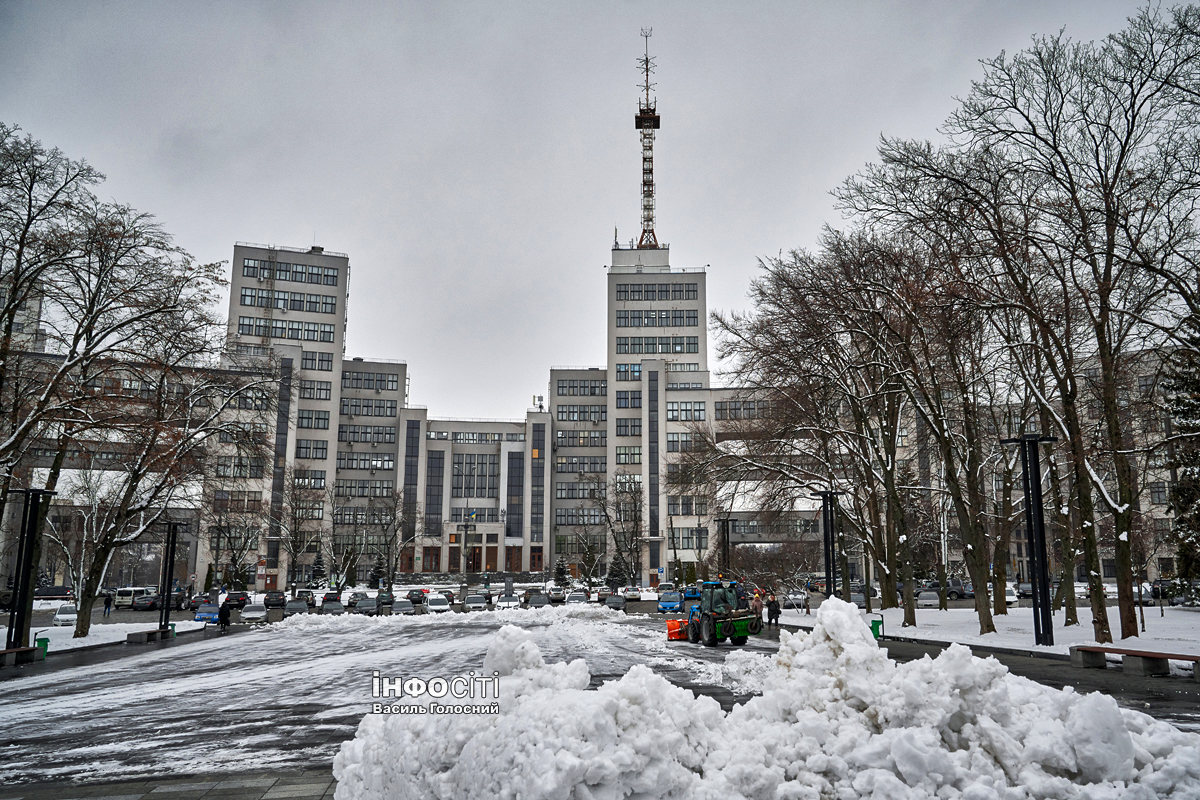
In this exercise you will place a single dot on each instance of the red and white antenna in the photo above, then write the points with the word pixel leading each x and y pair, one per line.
pixel 647 121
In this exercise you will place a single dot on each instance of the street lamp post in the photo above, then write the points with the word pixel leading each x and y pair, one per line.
pixel 26 579
pixel 827 523
pixel 168 572
pixel 1035 526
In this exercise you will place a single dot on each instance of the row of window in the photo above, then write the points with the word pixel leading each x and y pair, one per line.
pixel 310 418
pixel 740 409
pixel 583 413
pixel 629 426
pixel 286 329
pixel 692 385
pixel 460 514
pixel 684 412
pixel 389 381
pixel 310 359
pixel 673 318
pixel 354 406
pixel 290 301
pixel 362 515
pixel 650 345
pixel 238 467
pixel 629 454
pixel 315 390
pixel 244 432
pixel 629 399
pixel 280 271
pixel 366 459
pixel 679 442
pixel 475 475
pixel 312 448
pixel 686 505
pixel 469 437
pixel 309 478
pixel 657 291
pixel 377 434
pixel 579 490
pixel 236 501
pixel 629 372
pixel 347 487
pixel 688 539
pixel 583 438
pixel 582 388
pixel 577 464
pixel 568 517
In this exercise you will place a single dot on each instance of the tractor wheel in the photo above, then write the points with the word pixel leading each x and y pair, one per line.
pixel 708 631
pixel 755 625
pixel 693 631
pixel 738 640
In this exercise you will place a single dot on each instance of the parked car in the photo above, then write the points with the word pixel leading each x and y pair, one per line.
pixel 795 600
pixel 615 601
pixel 404 606
pixel 528 594
pixel 859 599
pixel 928 598
pixel 691 592
pixel 670 601
pixel 449 595
pixel 331 597
pixel 54 593
pixel 237 599
pixel 415 596
pixel 126 596
pixel 576 598
pixel 198 600
pixel 146 602
pixel 632 593
pixel 1024 590
pixel 862 588
pixel 333 607
pixel 293 607
pixel 508 601
pixel 557 594
pixel 275 599
pixel 385 598
pixel 207 613
pixel 356 598
pixel 475 602
pixel 539 600
pixel 307 596
pixel 955 588
pixel 602 594
pixel 665 587
pixel 437 604
pixel 367 605
pixel 66 614
pixel 254 612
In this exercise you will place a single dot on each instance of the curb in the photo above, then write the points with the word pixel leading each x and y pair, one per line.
pixel 86 648
pixel 1009 651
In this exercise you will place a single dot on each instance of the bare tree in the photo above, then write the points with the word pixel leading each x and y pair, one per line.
pixel 622 508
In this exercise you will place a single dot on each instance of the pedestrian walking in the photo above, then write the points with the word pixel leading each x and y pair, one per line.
pixel 773 612
pixel 107 605
pixel 223 616
pixel 756 606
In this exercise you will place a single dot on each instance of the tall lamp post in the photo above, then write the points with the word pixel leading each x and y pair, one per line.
pixel 828 505
pixel 1035 527
pixel 168 573
pixel 26 577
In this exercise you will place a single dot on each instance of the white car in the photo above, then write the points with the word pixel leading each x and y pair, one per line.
pixel 632 593
pixel 66 614
pixel 436 604
pixel 511 601
pixel 1010 596
pixel 474 602
pixel 928 599
pixel 254 613
pixel 577 597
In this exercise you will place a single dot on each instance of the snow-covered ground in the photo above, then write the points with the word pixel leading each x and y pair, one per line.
pixel 60 637
pixel 1177 630
pixel 837 719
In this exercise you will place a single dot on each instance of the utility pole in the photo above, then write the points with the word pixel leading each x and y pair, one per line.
pixel 168 573
pixel 26 577
pixel 828 503
pixel 1035 526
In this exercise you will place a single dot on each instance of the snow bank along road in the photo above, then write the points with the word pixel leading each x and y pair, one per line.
pixel 289 694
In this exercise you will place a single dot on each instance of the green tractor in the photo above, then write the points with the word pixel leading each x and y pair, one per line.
pixel 717 616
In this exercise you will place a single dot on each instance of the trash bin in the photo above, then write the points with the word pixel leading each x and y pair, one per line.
pixel 172 626
pixel 877 628
pixel 44 644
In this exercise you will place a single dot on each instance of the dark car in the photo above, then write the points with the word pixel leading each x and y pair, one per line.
pixel 1024 590
pixel 449 595
pixel 331 597
pixel 197 601
pixel 529 593
pixel 237 600
pixel 368 606
pixel 53 593
pixel 146 602
pixel 356 598
pixel 307 596
pixel 415 596
pixel 403 606
pixel 538 600
pixel 332 607
pixel 385 598
pixel 615 601
pixel 275 599
pixel 294 607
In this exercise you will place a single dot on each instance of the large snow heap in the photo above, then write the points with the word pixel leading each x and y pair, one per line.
pixel 837 720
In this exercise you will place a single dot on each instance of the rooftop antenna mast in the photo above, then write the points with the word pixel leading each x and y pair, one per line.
pixel 647 121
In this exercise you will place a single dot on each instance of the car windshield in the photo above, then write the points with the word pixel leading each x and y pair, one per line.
pixel 251 609
pixel 615 600
pixel 332 604
pixel 475 598
pixel 208 609
pixel 403 604
pixel 670 597
pixel 65 610
pixel 438 601
pixel 297 604
pixel 577 596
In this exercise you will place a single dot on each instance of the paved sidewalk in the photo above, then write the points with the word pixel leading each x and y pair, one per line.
pixel 309 785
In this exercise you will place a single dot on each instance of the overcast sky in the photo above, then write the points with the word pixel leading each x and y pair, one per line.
pixel 473 158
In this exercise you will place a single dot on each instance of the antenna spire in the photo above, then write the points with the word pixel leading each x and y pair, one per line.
pixel 647 121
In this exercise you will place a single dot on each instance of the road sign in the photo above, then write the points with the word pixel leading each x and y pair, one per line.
pixel 660 570
pixel 192 578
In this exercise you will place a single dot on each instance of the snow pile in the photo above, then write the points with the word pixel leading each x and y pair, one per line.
pixel 836 719
pixel 547 615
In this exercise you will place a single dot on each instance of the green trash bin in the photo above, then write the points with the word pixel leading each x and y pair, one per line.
pixel 44 644
pixel 877 628
pixel 172 626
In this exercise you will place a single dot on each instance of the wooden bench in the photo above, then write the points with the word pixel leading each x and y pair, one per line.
pixel 20 655
pixel 1134 662
pixel 141 637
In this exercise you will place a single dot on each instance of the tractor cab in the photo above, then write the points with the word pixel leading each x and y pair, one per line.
pixel 719 598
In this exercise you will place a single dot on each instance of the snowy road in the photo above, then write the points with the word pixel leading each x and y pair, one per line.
pixel 288 695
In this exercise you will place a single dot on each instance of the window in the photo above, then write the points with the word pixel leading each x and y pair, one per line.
pixel 577 464
pixel 567 413
pixel 622 319
pixel 622 346
pixel 1158 493
pixel 325 362
pixel 249 297
pixel 310 478
pixel 1109 567
pixel 622 291
pixel 312 448
pixel 650 318
pixel 635 292
pixel 331 277
pixel 328 304
pixel 308 418
pixel 629 454
pixel 692 318
pixel 693 344
pixel 239 467
pixel 677 318
pixel 249 268
pixel 583 438
pixel 690 291
pixel 629 426
pixel 327 333
pixel 679 442
pixel 308 360
pixel 902 437
pixel 635 345
pixel 315 390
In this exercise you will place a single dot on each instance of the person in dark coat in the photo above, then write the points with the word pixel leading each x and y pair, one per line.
pixel 223 616
pixel 772 612
pixel 107 605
